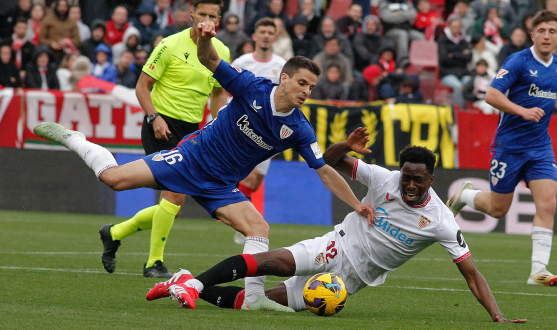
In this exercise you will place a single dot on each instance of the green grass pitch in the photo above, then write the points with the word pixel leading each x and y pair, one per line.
pixel 52 278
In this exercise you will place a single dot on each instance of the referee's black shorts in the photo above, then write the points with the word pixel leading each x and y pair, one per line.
pixel 178 130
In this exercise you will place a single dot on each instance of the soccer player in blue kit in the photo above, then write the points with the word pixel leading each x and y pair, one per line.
pixel 262 120
pixel 522 145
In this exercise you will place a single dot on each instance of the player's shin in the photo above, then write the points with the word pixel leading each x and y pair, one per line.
pixel 163 219
pixel 142 220
pixel 255 286
pixel 541 248
pixel 224 296
pixel 96 157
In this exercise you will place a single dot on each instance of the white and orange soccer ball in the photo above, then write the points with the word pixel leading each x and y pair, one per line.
pixel 325 294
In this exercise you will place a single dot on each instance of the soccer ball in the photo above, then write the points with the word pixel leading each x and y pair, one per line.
pixel 325 294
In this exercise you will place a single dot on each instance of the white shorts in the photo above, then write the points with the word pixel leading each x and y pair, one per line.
pixel 318 255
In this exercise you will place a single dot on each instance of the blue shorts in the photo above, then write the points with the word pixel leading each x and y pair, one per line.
pixel 181 173
pixel 507 169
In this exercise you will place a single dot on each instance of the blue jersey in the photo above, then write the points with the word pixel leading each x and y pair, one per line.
pixel 530 82
pixel 249 129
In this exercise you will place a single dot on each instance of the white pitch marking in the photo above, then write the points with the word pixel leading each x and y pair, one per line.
pixel 92 271
pixel 463 290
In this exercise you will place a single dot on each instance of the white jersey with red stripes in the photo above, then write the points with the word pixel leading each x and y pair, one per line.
pixel 267 69
pixel 400 230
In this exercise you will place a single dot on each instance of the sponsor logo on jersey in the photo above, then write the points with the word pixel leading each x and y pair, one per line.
pixel 383 224
pixel 320 259
pixel 536 92
pixel 501 74
pixel 285 132
pixel 533 73
pixel 158 157
pixel 186 55
pixel 159 54
pixel 389 199
pixel 316 150
pixel 424 222
pixel 151 67
pixel 243 124
pixel 254 106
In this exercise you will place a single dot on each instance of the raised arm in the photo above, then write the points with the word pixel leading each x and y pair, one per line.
pixel 206 52
pixel 480 289
pixel 336 155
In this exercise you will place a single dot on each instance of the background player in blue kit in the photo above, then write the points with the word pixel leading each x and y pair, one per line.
pixel 262 120
pixel 522 145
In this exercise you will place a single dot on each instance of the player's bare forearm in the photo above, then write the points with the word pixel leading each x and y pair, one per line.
pixel 219 97
pixel 338 186
pixel 206 52
pixel 498 100
pixel 336 157
pixel 479 287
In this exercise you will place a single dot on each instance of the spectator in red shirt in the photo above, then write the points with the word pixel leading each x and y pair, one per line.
pixel 116 27
pixel 426 19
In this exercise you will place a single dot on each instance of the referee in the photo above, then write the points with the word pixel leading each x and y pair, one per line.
pixel 181 86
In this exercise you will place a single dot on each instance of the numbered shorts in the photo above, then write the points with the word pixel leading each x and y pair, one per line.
pixel 318 255
pixel 181 173
pixel 507 169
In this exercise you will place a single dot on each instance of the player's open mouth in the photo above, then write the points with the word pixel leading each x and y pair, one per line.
pixel 301 99
pixel 411 195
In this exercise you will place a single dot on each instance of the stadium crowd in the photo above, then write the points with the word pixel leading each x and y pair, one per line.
pixel 363 56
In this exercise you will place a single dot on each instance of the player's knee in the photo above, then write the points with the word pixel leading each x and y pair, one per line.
pixel 112 180
pixel 499 212
pixel 547 206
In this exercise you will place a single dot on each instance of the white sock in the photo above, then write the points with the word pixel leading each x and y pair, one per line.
pixel 541 248
pixel 468 196
pixel 195 283
pixel 96 157
pixel 255 286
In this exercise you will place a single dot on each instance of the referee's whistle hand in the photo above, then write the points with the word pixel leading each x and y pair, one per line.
pixel 161 128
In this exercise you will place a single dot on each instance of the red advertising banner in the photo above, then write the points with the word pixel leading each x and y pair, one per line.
pixel 475 133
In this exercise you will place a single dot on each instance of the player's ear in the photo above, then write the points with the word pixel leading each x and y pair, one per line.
pixel 283 78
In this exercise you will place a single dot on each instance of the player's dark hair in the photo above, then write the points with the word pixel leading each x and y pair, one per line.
pixel 417 155
pixel 266 21
pixel 196 3
pixel 542 17
pixel 300 62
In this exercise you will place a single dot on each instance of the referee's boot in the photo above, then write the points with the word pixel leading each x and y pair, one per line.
pixel 157 270
pixel 110 248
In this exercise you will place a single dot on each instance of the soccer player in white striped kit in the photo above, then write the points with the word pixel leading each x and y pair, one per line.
pixel 409 217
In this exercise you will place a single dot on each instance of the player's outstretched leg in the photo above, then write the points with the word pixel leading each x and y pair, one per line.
pixel 457 201
pixel 96 157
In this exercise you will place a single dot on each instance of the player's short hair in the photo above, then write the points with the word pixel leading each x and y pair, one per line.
pixel 300 62
pixel 542 17
pixel 266 21
pixel 417 155
pixel 196 3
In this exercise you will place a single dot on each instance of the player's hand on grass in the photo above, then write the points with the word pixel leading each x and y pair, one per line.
pixel 357 140
pixel 206 29
pixel 365 211
pixel 501 319
pixel 161 128
pixel 533 114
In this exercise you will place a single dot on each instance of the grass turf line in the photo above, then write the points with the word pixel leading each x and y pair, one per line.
pixel 53 279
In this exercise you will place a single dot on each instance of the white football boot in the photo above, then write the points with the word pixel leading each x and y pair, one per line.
pixel 265 304
pixel 55 132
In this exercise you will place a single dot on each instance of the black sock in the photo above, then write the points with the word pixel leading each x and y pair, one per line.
pixel 225 271
pixel 221 296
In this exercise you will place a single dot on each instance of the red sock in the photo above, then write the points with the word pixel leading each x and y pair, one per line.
pixel 251 263
pixel 247 191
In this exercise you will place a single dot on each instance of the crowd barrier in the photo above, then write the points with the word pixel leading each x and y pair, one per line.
pixel 291 193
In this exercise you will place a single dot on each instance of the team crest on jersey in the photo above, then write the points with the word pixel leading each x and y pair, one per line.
pixel 158 157
pixel 424 222
pixel 501 74
pixel 494 180
pixel 320 259
pixel 285 132
pixel 533 73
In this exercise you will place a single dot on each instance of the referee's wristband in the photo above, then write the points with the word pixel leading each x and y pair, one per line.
pixel 152 117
